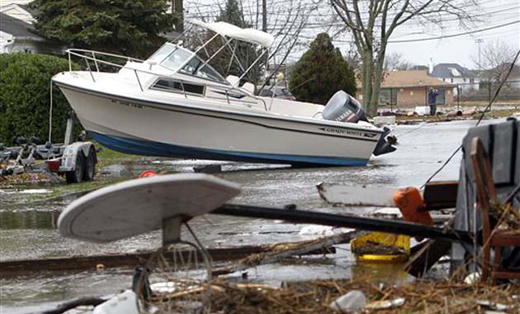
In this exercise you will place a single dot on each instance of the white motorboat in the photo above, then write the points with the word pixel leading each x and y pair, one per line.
pixel 174 104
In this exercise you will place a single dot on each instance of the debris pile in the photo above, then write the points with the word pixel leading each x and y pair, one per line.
pixel 325 296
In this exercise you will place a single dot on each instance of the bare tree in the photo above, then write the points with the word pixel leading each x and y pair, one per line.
pixel 286 21
pixel 372 23
pixel 395 62
pixel 494 60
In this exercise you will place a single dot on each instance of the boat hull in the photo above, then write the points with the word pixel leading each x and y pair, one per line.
pixel 174 129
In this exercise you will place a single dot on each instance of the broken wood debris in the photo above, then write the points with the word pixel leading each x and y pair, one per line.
pixel 78 263
pixel 316 297
pixel 283 250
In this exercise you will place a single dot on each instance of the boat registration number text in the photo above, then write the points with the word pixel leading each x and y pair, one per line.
pixel 126 103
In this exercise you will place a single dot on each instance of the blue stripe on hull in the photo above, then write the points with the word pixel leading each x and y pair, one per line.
pixel 149 148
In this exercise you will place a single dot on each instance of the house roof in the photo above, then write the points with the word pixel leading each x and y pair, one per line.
pixel 412 78
pixel 408 79
pixel 29 9
pixel 17 28
pixel 450 70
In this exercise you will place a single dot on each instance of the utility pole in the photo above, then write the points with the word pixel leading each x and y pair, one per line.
pixel 178 10
pixel 264 15
pixel 264 29
pixel 479 42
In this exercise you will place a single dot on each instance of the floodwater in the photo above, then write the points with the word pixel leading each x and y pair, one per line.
pixel 29 232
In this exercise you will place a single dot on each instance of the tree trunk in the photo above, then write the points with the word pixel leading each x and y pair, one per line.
pixel 377 81
pixel 367 68
pixel 178 8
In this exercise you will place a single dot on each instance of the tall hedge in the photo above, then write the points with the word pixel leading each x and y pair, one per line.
pixel 321 72
pixel 24 97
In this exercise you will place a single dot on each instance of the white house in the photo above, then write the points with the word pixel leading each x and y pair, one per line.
pixel 454 73
pixel 7 2
pixel 17 36
pixel 17 10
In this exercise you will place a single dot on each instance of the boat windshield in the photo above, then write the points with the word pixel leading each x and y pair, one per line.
pixel 173 57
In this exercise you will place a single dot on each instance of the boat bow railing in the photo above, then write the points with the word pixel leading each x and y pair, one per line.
pixel 92 56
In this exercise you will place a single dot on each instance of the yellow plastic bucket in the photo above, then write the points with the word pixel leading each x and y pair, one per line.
pixel 380 247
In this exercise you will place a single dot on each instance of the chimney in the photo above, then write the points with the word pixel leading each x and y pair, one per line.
pixel 430 66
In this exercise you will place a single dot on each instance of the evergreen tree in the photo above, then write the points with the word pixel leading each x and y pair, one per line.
pixel 321 72
pixel 232 14
pixel 128 27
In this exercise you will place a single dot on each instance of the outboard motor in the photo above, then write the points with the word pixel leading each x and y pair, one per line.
pixel 384 146
pixel 343 108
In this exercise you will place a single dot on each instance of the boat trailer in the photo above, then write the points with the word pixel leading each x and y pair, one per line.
pixel 74 160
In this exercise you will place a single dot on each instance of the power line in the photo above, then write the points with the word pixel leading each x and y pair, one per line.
pixel 454 35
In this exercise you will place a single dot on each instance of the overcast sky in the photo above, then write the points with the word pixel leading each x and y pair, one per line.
pixel 494 16
pixel 464 49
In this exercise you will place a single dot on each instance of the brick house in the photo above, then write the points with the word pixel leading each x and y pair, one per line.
pixel 408 89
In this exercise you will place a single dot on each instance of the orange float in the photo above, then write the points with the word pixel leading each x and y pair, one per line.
pixel 147 173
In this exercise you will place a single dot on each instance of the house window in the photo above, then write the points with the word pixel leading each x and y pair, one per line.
pixel 170 85
pixel 411 93
pixel 451 80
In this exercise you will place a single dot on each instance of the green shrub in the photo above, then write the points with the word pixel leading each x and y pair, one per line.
pixel 25 98
pixel 321 72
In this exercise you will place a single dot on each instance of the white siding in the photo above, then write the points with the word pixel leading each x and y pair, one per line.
pixel 17 13
pixel 6 2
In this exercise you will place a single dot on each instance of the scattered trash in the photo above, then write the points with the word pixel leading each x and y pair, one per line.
pixel 208 169
pixel 316 230
pixel 381 305
pixel 147 173
pixel 422 110
pixel 472 278
pixel 384 120
pixel 494 306
pixel 350 302
pixel 126 302
pixel 388 212
pixel 454 113
pixel 100 268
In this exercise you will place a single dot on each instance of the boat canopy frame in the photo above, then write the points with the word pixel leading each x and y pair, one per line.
pixel 230 33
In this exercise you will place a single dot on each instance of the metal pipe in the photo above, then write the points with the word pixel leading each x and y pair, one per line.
pixel 95 61
pixel 138 81
pixel 250 67
pixel 369 224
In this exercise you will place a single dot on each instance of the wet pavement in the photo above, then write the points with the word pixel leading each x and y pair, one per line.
pixel 28 232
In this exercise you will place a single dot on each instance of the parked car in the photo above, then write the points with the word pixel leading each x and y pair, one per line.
pixel 277 92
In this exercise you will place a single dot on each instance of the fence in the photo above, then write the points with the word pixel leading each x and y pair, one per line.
pixel 462 94
pixel 483 92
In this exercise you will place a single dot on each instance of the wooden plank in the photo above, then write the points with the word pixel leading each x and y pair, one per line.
pixel 285 251
pixel 425 255
pixel 79 263
pixel 437 194
pixel 357 195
